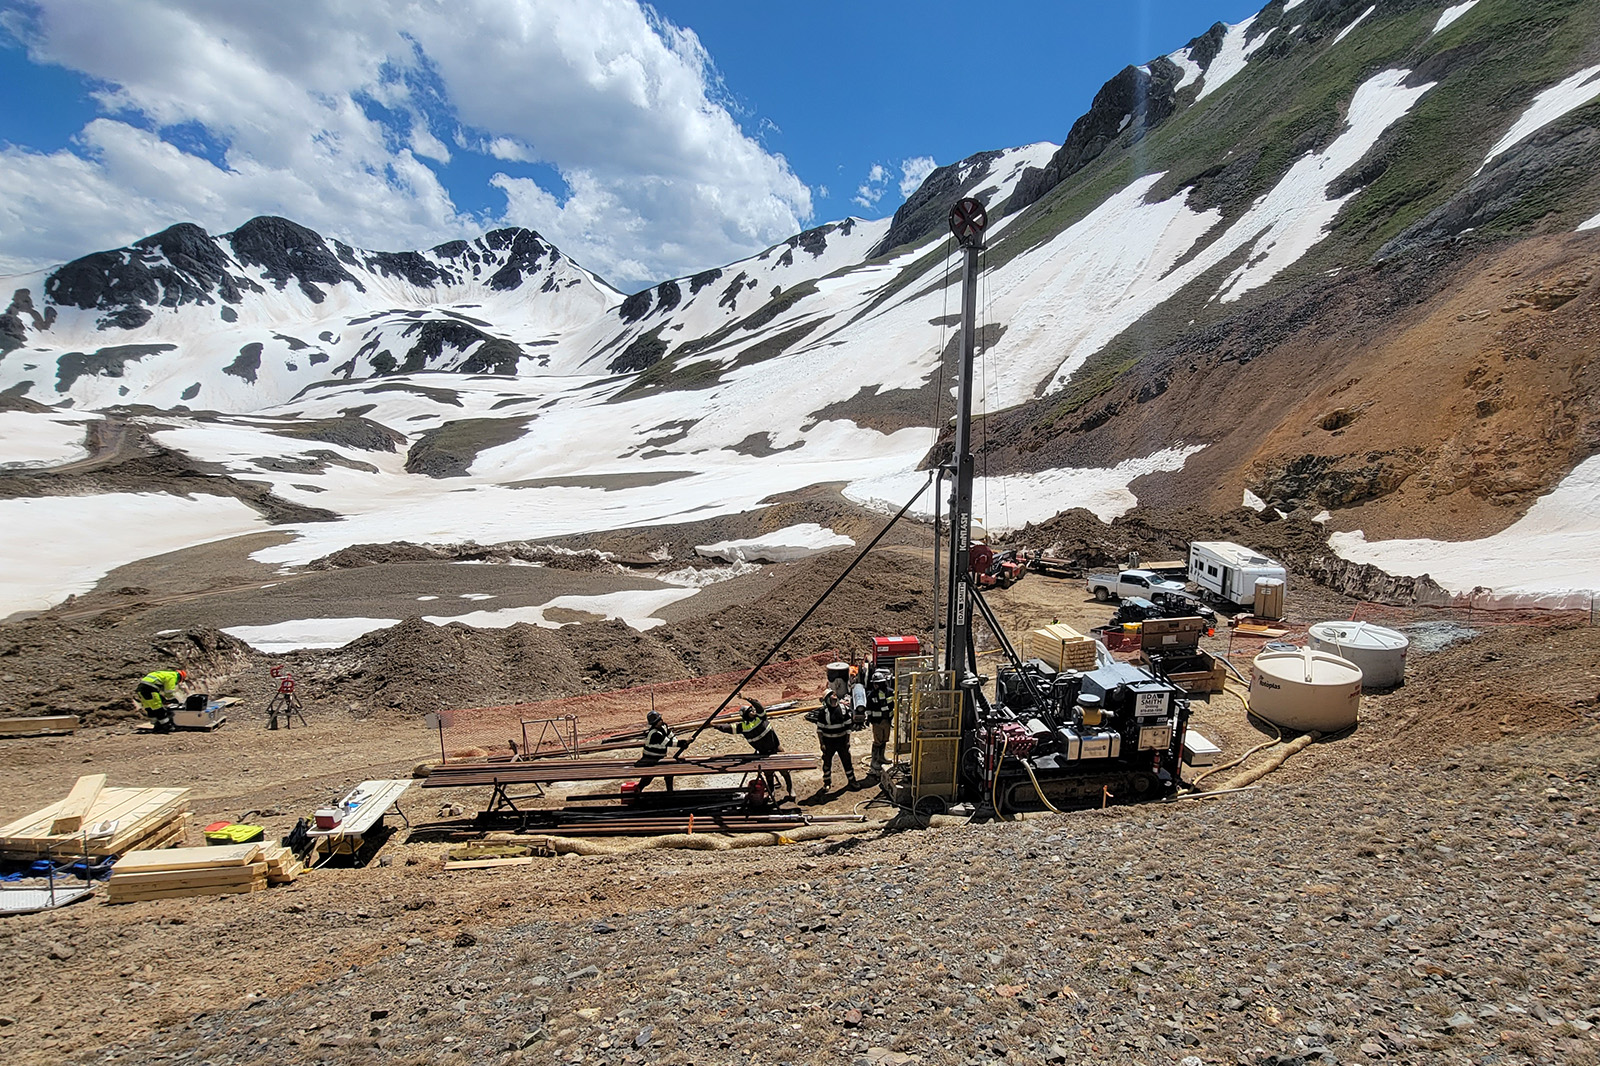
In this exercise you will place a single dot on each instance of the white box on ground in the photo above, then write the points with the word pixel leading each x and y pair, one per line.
pixel 1197 750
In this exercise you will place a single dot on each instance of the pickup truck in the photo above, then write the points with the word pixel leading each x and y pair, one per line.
pixel 1131 583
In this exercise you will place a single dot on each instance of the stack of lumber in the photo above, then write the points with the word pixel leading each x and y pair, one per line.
pixel 283 866
pixel 174 872
pixel 1061 646
pixel 116 821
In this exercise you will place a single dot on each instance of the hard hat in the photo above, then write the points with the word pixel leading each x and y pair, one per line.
pixel 880 675
pixel 749 710
pixel 654 717
pixel 183 675
pixel 831 696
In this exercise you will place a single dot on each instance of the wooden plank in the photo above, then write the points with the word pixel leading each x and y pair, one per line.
pixel 188 858
pixel 69 819
pixel 113 896
pixel 217 875
pixel 486 864
pixel 38 725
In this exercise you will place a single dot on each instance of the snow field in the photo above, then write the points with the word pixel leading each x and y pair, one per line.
pixel 636 608
pixel 1359 20
pixel 54 546
pixel 780 546
pixel 1548 558
pixel 1561 98
pixel 1011 501
pixel 35 439
pixel 1232 59
pixel 1449 15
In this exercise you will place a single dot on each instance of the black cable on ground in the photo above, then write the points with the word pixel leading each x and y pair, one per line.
pixel 812 609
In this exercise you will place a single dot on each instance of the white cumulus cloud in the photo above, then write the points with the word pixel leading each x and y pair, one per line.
pixel 913 172
pixel 325 113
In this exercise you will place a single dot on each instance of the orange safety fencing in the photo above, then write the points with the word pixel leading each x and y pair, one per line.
pixel 548 725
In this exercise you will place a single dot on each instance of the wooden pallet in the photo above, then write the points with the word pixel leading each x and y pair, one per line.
pixel 140 814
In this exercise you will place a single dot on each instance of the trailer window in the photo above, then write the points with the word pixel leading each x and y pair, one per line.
pixel 1212 570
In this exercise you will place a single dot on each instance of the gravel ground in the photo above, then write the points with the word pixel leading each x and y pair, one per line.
pixel 1441 915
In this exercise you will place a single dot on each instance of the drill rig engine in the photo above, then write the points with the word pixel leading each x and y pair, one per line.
pixel 1074 736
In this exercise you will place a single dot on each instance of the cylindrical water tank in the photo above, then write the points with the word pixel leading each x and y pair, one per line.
pixel 1380 652
pixel 1306 690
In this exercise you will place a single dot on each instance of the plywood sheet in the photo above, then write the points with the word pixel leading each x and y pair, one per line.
pixel 188 858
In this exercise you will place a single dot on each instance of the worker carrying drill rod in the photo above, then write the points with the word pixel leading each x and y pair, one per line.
pixel 834 721
pixel 658 737
pixel 759 734
pixel 157 695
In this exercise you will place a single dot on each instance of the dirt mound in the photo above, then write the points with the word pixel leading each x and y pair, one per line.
pixel 581 560
pixel 53 666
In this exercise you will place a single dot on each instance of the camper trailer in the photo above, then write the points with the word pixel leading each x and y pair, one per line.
pixel 1230 571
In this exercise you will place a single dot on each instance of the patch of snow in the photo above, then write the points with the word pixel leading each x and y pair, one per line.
pixel 1291 5
pixel 692 578
pixel 1104 273
pixel 1451 14
pixel 1558 100
pixel 477 596
pixel 302 633
pixel 1593 223
pixel 1191 70
pixel 1254 502
pixel 1359 20
pixel 1232 58
pixel 633 607
pixel 35 439
pixel 1297 212
pixel 422 599
pixel 780 546
pixel 1017 499
pixel 53 546
pixel 1548 558
pixel 1323 517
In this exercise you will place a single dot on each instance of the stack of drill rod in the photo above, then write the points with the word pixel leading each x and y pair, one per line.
pixel 549 771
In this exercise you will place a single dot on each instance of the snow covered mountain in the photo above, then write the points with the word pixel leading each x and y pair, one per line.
pixel 248 319
pixel 1338 257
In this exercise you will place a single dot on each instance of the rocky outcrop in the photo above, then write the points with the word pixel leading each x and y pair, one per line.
pixel 287 251
pixel 1127 107
pixel 928 209
pixel 1514 191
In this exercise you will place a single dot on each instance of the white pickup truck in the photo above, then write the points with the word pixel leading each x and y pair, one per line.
pixel 1132 583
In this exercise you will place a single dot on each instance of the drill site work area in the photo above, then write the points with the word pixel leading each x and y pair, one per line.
pixel 739 589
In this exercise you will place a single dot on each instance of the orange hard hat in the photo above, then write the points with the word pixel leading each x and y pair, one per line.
pixel 183 675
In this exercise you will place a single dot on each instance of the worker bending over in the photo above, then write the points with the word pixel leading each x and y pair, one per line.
pixel 658 737
pixel 759 734
pixel 157 694
pixel 833 732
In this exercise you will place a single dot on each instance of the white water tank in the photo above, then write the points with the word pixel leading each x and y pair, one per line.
pixel 1380 652
pixel 1305 690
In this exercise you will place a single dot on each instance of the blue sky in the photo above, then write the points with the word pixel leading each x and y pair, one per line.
pixel 645 141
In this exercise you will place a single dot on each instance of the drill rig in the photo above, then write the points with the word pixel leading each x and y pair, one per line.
pixel 1042 735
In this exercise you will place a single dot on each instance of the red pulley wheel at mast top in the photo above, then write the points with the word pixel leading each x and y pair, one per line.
pixel 967 222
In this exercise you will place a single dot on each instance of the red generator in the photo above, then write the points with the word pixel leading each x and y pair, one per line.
pixel 885 650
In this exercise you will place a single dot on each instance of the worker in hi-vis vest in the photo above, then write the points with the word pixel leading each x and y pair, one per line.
pixel 759 734
pixel 156 692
